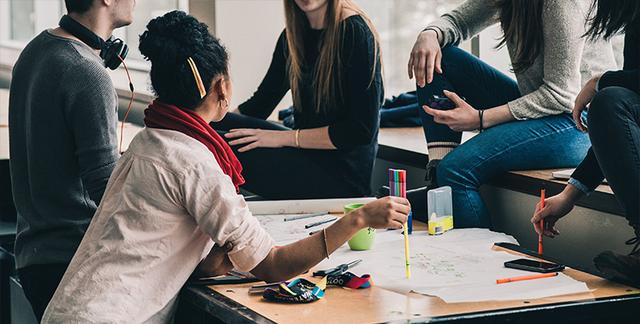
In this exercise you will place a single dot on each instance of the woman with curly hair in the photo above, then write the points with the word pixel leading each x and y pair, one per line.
pixel 171 204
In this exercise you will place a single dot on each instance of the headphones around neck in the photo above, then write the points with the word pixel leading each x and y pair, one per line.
pixel 111 51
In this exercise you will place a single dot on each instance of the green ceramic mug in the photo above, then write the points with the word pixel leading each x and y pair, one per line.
pixel 363 239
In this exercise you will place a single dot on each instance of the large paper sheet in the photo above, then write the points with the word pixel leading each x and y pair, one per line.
pixel 458 266
pixel 288 232
pixel 275 207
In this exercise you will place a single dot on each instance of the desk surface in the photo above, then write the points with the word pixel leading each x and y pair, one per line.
pixel 381 305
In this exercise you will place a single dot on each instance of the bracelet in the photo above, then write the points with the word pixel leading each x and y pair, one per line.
pixel 481 115
pixel 297 138
pixel 324 237
pixel 439 33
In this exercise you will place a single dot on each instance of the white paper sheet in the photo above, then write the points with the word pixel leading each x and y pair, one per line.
pixel 458 266
pixel 303 206
pixel 287 232
pixel 529 289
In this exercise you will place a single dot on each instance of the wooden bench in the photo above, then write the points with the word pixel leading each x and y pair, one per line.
pixel 408 146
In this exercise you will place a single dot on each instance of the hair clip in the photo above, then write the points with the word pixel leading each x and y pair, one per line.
pixel 196 75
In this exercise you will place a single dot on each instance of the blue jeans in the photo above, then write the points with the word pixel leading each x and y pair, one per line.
pixel 543 143
pixel 614 129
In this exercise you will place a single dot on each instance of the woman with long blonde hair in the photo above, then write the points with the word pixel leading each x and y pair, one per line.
pixel 329 57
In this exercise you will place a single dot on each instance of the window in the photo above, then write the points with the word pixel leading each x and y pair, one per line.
pixel 398 22
pixel 21 20
pixel 22 25
pixel 26 18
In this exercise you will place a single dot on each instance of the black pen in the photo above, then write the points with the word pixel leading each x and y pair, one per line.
pixel 308 226
pixel 292 218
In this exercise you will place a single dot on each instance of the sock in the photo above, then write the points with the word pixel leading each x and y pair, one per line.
pixel 438 150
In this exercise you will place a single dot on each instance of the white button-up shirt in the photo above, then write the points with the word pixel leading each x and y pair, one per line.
pixel 165 205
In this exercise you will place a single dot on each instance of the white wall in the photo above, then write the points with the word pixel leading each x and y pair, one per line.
pixel 47 14
pixel 249 29
pixel 4 23
pixel 498 58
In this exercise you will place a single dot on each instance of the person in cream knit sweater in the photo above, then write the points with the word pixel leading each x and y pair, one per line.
pixel 525 123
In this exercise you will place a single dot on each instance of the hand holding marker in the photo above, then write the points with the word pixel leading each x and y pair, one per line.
pixel 398 187
pixel 540 250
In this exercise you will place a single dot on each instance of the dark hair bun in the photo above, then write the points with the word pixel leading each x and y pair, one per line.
pixel 174 35
pixel 168 41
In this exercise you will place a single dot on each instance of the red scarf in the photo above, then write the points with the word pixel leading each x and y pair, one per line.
pixel 164 116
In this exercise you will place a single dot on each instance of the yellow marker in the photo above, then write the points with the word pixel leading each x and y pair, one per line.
pixel 406 250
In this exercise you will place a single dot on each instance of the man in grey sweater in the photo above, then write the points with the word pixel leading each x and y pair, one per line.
pixel 62 122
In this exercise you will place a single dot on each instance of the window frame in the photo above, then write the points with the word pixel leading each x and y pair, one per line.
pixel 6 43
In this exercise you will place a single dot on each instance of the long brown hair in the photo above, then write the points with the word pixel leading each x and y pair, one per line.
pixel 521 22
pixel 327 82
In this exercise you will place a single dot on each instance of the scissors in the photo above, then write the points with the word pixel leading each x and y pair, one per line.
pixel 337 270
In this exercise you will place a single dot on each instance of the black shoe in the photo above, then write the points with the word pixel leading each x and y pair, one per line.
pixel 624 268
pixel 430 176
pixel 418 200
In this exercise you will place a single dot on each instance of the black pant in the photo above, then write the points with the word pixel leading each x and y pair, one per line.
pixel 39 282
pixel 614 129
pixel 287 173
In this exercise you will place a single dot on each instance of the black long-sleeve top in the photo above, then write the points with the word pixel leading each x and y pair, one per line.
pixel 588 172
pixel 353 127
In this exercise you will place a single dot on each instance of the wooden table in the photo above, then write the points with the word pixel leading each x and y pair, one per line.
pixel 232 303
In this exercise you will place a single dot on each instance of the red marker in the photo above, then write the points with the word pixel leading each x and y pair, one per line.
pixel 530 277
pixel 541 223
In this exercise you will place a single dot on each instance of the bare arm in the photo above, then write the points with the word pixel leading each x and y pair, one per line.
pixel 496 116
pixel 465 118
pixel 313 138
pixel 288 261
pixel 210 198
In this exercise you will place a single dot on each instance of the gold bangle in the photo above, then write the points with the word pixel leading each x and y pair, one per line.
pixel 297 138
pixel 324 237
